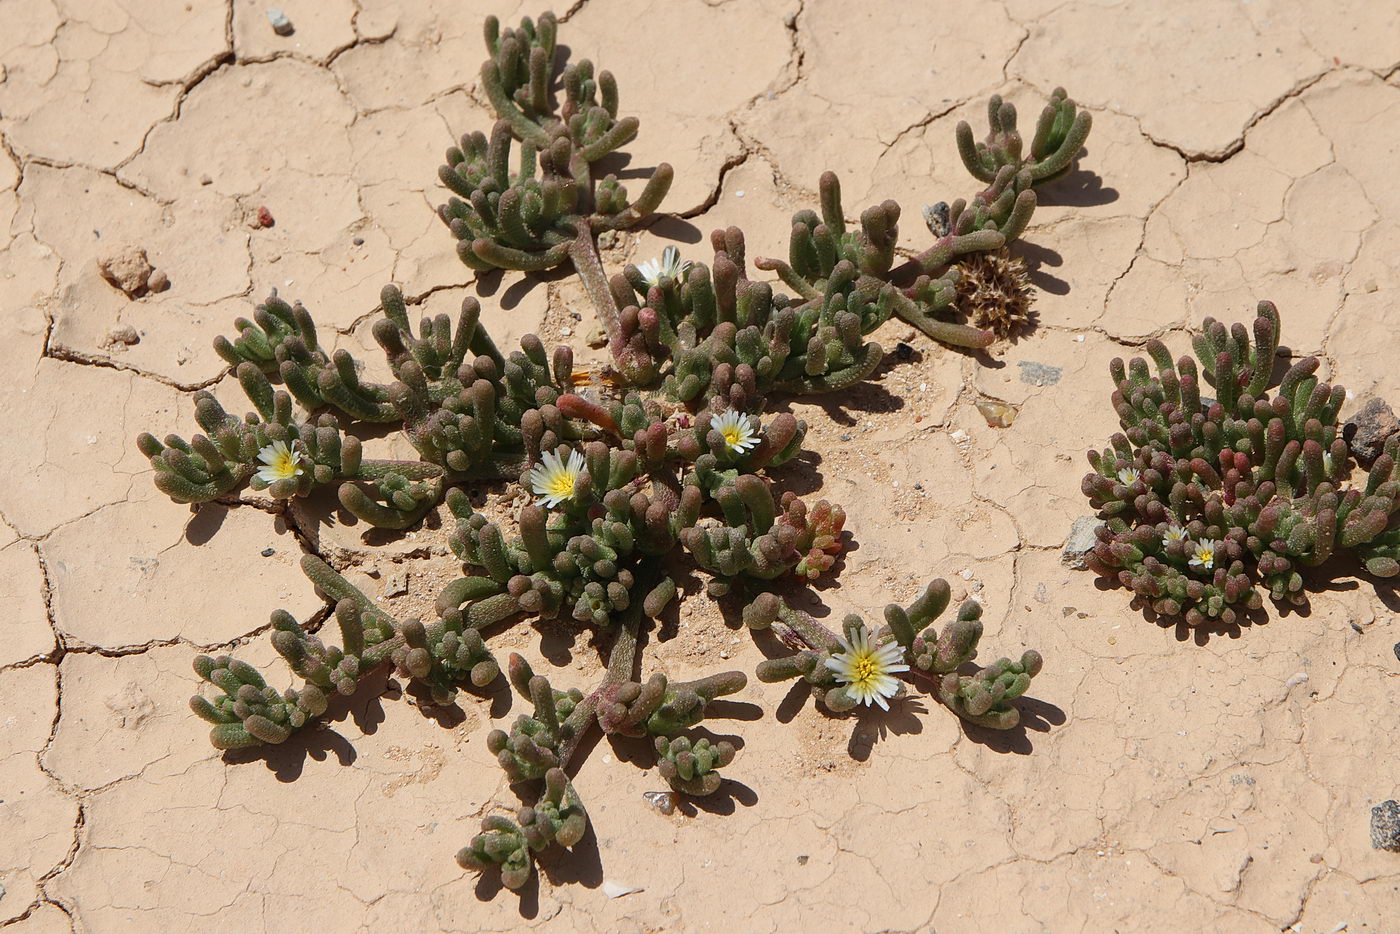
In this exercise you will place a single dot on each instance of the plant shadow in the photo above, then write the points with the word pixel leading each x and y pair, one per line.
pixel 1037 716
pixel 874 725
pixel 1078 188
pixel 671 227
pixel 1037 258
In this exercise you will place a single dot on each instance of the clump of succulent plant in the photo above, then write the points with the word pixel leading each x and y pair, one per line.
pixel 677 471
pixel 1209 502
pixel 858 665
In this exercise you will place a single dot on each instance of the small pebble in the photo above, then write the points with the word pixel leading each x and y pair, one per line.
pixel 358 241
pixel 264 218
pixel 739 193
pixel 1396 649
pixel 205 180
pixel 965 574
pixel 903 351
pixel 617 889
pixel 802 860
pixel 918 486
pixel 997 414
pixel 123 334
pixel 269 552
pixel 280 24
pixel 567 332
pixel 158 281
pixel 847 437
pixel 1081 541
pixel 125 266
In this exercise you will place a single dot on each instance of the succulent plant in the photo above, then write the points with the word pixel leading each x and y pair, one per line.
pixel 907 642
pixel 1206 501
pixel 676 458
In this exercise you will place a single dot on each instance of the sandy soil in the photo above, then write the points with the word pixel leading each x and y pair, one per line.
pixel 1167 780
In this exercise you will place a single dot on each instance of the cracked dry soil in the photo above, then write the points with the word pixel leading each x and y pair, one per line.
pixel 1167 781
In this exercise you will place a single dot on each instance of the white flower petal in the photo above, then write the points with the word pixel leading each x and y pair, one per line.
pixel 886 685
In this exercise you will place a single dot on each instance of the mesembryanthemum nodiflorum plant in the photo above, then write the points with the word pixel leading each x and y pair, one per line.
pixel 678 471
pixel 1209 503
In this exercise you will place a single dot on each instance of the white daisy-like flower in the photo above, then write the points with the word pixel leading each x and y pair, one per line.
pixel 670 266
pixel 737 430
pixel 1204 555
pixel 279 463
pixel 1128 476
pixel 1176 533
pixel 553 479
pixel 868 670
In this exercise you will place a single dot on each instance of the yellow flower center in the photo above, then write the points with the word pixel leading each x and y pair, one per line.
pixel 561 484
pixel 863 669
pixel 1206 556
pixel 284 464
pixel 733 435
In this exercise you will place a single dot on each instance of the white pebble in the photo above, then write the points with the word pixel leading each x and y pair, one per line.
pixel 739 193
pixel 959 435
pixel 617 889
pixel 1296 679
pixel 965 574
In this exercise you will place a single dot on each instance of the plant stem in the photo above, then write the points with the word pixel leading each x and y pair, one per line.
pixel 622 660
pixel 808 629
pixel 584 253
